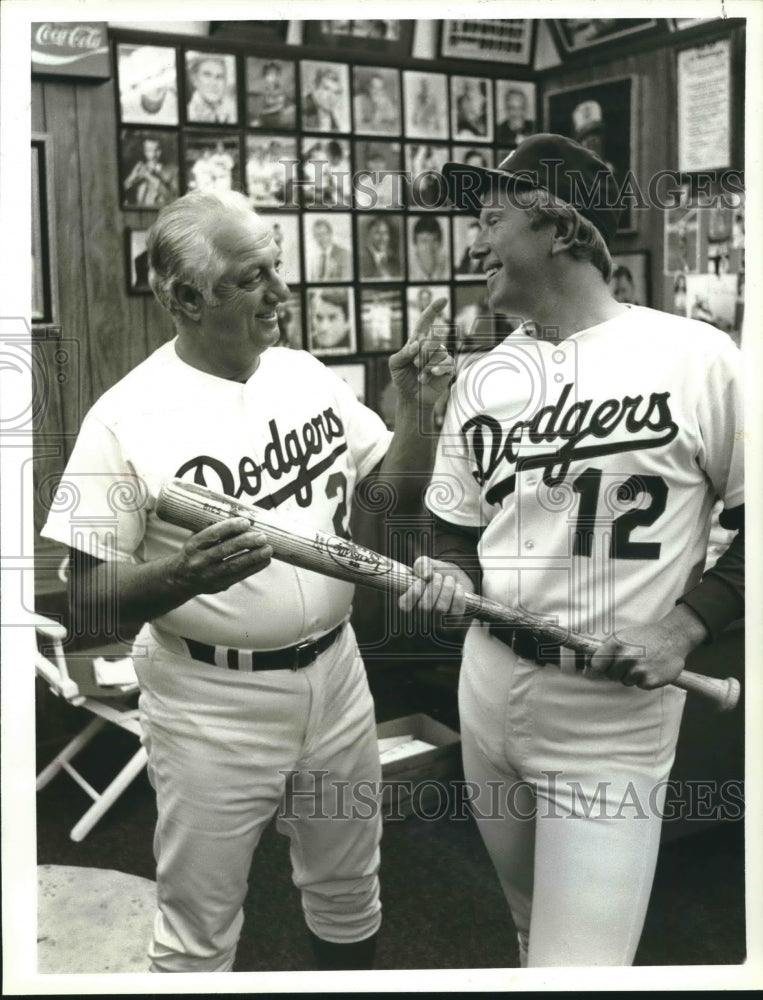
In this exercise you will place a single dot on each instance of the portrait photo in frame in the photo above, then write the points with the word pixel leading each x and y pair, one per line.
pixel 271 93
pixel 471 109
pixel 149 168
pixel 147 84
pixel 381 319
pixel 381 243
pixel 376 100
pixel 211 88
pixel 328 246
pixel 378 180
pixel 516 115
pixel 286 233
pixel 630 278
pixel 290 324
pixel 212 161
pixel 425 105
pixel 331 321
pixel 325 92
pixel 602 117
pixel 270 169
pixel 137 262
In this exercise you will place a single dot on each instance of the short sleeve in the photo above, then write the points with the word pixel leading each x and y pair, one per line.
pixel 453 493
pixel 100 504
pixel 720 412
pixel 367 436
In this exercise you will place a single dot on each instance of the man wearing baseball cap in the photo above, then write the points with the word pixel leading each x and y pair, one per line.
pixel 578 469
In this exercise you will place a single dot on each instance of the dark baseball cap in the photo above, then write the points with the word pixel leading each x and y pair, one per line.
pixel 560 165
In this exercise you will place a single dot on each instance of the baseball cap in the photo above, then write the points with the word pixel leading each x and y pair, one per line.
pixel 557 163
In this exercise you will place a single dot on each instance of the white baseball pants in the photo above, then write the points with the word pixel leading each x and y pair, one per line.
pixel 571 774
pixel 220 744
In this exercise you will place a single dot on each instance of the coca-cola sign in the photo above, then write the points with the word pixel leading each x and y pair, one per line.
pixel 72 48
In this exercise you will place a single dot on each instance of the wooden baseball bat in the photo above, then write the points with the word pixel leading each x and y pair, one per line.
pixel 191 506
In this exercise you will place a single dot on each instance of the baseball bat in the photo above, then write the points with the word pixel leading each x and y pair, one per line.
pixel 194 507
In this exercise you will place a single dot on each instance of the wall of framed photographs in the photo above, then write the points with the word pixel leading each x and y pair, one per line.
pixel 341 154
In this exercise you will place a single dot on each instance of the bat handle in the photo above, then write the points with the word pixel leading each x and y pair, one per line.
pixel 722 690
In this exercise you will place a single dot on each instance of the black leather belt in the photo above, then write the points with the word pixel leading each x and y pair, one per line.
pixel 291 658
pixel 530 646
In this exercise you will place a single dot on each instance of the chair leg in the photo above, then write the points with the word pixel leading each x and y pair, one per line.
pixel 70 750
pixel 109 796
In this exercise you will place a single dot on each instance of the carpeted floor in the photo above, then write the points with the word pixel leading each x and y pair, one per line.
pixel 442 905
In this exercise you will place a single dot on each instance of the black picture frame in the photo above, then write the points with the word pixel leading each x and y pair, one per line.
pixel 602 116
pixel 212 161
pixel 44 290
pixel 328 233
pixel 147 84
pixel 378 179
pixel 270 169
pixel 426 114
pixel 506 40
pixel 371 239
pixel 211 93
pixel 331 111
pixel 149 168
pixel 330 325
pixel 382 321
pixel 576 35
pixel 362 35
pixel 377 101
pixel 136 259
pixel 516 112
pixel 271 93
pixel 471 108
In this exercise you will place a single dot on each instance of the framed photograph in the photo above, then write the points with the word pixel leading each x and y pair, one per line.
pixel 418 297
pixel 149 171
pixel 471 109
pixel 378 179
pixel 429 247
pixel 286 233
pixel 475 156
pixel 271 93
pixel 515 112
pixel 465 232
pixel 376 100
pixel 328 246
pixel 381 319
pixel 259 32
pixel 44 308
pixel 602 117
pixel 425 105
pixel 211 88
pixel 423 165
pixel 212 161
pixel 147 84
pixel 271 169
pixel 714 299
pixel 331 321
pixel 290 322
pixel 372 35
pixel 354 374
pixel 578 34
pixel 502 41
pixel 380 238
pixel 325 91
pixel 630 278
pixel 704 127
pixel 477 327
pixel 137 262
pixel 325 172
pixel 681 235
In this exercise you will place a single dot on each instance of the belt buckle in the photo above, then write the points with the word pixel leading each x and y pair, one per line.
pixel 298 650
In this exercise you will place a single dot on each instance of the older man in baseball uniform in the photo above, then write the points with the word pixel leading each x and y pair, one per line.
pixel 254 699
pixel 576 474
